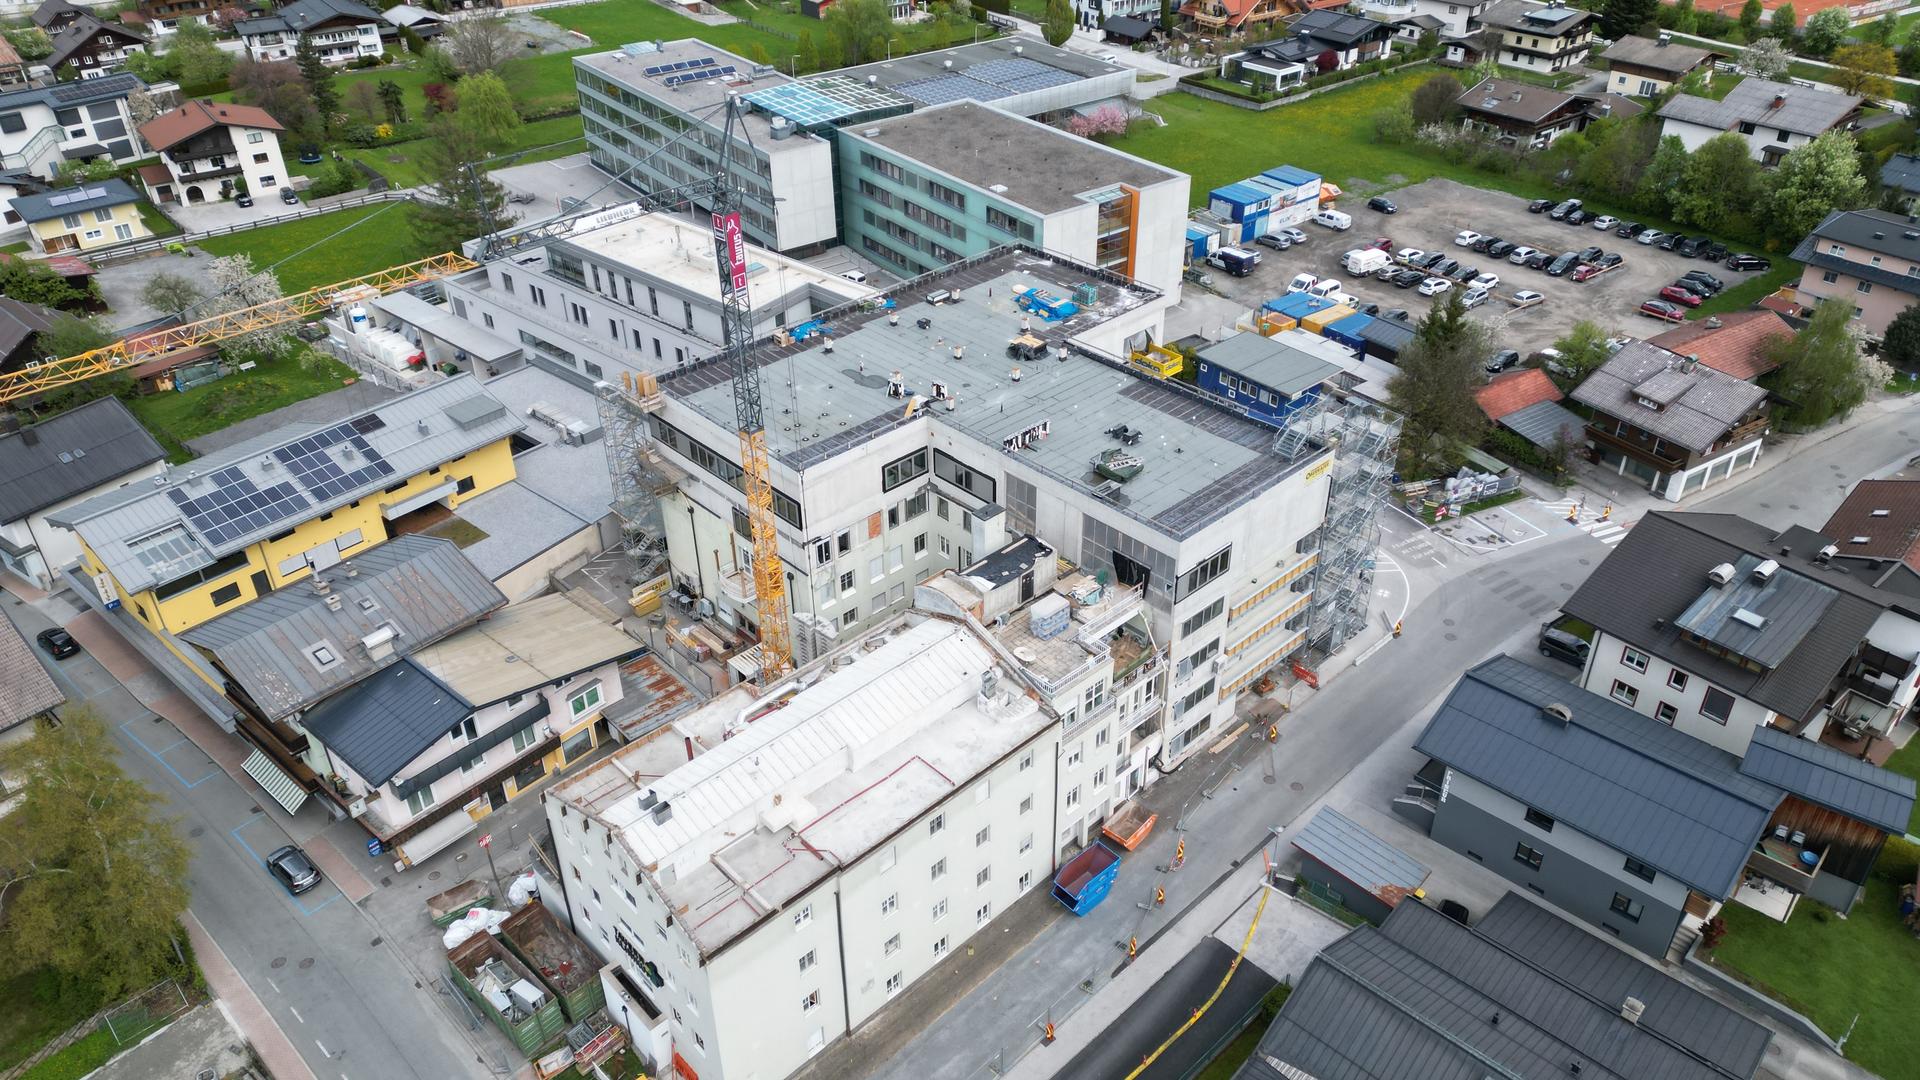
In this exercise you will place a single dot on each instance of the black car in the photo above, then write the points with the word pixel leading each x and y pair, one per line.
pixel 1714 252
pixel 1744 261
pixel 1385 206
pixel 1502 360
pixel 1560 212
pixel 1500 249
pixel 58 643
pixel 1481 245
pixel 292 869
pixel 1577 217
pixel 1609 260
pixel 1591 254
pixel 1671 242
pixel 1465 273
pixel 1539 260
pixel 243 200
pixel 1399 313
pixel 1445 267
pixel 1430 260
pixel 1691 247
pixel 1704 278
pixel 1561 645
pixel 1629 229
pixel 1539 206
pixel 1368 309
pixel 287 196
pixel 1407 279
pixel 1567 261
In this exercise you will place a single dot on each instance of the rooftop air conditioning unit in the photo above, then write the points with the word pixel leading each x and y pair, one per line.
pixel 1722 574
pixel 1631 1010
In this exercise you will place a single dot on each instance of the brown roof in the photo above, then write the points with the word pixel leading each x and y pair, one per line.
pixel 1513 100
pixel 155 174
pixel 1884 516
pixel 1515 390
pixel 26 690
pixel 195 117
pixel 1736 346
pixel 9 56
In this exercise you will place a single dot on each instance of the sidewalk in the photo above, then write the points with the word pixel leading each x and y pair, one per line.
pixel 244 1007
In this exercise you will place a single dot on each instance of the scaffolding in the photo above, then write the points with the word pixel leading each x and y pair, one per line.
pixel 1364 438
pixel 641 475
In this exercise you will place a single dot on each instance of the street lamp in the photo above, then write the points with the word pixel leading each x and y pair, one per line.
pixel 793 66
pixel 890 42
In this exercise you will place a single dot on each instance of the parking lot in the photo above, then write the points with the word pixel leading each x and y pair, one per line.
pixel 1431 214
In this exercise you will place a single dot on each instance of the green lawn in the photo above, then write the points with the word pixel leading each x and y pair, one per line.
pixel 386 239
pixel 1742 296
pixel 1906 761
pixel 174 418
pixel 1830 969
pixel 402 163
pixel 77 1060
pixel 1234 1054
pixel 615 22
pixel 27 1020
pixel 156 222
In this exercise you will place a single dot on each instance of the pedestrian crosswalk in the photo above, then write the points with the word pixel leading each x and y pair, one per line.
pixel 1590 520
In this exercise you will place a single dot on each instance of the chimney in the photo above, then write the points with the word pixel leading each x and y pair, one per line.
pixel 1779 99
pixel 1631 1009
pixel 1516 95
pixel 1663 39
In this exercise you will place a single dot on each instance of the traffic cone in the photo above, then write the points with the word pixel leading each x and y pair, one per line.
pixel 1396 627
pixel 1180 852
pixel 1048 1039
pixel 1273 733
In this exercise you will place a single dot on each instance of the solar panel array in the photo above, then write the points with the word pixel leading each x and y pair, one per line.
pixel 237 506
pixel 68 198
pixel 824 100
pixel 699 76
pixel 940 89
pixel 683 65
pixel 312 460
pixel 1020 75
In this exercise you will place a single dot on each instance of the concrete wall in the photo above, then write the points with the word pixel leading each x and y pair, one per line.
pixel 1656 687
pixel 1577 872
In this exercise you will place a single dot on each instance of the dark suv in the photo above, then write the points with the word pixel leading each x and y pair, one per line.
pixel 1630 230
pixel 1691 247
pixel 1561 645
pixel 1744 261
pixel 293 870
pixel 1563 264
pixel 1539 260
pixel 1500 249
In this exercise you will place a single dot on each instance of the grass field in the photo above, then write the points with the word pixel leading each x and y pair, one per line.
pixel 615 22
pixel 382 238
pixel 175 418
pixel 1742 296
pixel 1234 1054
pixel 27 1021
pixel 78 1059
pixel 1906 761
pixel 1830 969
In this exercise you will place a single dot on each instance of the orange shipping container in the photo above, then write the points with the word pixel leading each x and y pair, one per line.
pixel 1320 320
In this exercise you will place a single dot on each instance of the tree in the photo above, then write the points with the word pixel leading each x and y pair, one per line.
pixel 1685 19
pixel 759 55
pixel 197 60
pixel 393 101
pixel 1882 30
pixel 1437 100
pixel 277 87
pixel 1825 30
pixel 463 202
pixel 1900 345
pixel 235 284
pixel 863 27
pixel 319 79
pixel 71 335
pixel 807 52
pixel 31 42
pixel 1619 154
pixel 1812 181
pixel 363 98
pixel 1619 18
pixel 1057 27
pixel 1105 120
pixel 1750 15
pixel 230 15
pixel 486 110
pixel 1654 194
pixel 33 283
pixel 171 293
pixel 1169 16
pixel 94 880
pixel 1782 22
pixel 1720 185
pixel 1434 390
pixel 1583 349
pixel 475 45
pixel 1766 59
pixel 1820 375
pixel 1863 69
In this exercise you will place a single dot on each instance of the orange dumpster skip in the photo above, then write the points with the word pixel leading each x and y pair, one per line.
pixel 1129 825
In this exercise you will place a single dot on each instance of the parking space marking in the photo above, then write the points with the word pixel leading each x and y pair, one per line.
pixel 261 859
pixel 159 756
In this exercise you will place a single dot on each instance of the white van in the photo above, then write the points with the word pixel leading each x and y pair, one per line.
pixel 1325 287
pixel 1366 261
pixel 1301 283
pixel 1334 219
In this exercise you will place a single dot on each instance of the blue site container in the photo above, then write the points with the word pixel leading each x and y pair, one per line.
pixel 1298 305
pixel 1349 331
pixel 1086 878
pixel 1200 242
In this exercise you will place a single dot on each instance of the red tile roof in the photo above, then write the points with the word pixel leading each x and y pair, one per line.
pixel 1737 346
pixel 1515 390
pixel 195 117
pixel 1884 515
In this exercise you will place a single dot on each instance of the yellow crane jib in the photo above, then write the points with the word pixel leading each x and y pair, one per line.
pixel 36 378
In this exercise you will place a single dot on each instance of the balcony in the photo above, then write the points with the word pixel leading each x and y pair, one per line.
pixel 193 171
pixel 1635 448
pixel 1779 861
pixel 738 587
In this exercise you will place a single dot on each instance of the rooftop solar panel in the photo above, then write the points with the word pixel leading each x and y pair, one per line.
pixel 941 89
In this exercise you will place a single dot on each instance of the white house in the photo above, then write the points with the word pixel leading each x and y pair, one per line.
pixel 1775 118
pixel 44 127
pixel 207 150
pixel 342 30
pixel 60 461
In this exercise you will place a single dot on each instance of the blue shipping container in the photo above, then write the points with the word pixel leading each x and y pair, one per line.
pixel 1348 332
pixel 1086 878
pixel 1298 305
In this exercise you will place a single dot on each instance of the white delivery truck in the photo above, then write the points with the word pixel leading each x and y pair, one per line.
pixel 1364 261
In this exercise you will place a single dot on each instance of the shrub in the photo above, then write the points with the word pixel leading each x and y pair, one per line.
pixel 361 134
pixel 1710 934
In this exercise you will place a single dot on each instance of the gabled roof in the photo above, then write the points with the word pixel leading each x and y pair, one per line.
pixel 1826 777
pixel 1512 391
pixel 1696 404
pixel 409 15
pixel 1416 998
pixel 543 640
pixel 1527 16
pixel 1799 109
pixel 171 128
pixel 50 11
pixel 1735 344
pixel 385 721
pixel 66 455
pixel 1670 800
pixel 81 32
pixel 302 15
pixel 1545 424
pixel 1337 28
pixel 1514 100
pixel 18 322
pixel 420 588
pixel 1639 592
pixel 92 195
pixel 26 690
pixel 1671 56
pixel 1345 846
pixel 1879 519
pixel 1902 171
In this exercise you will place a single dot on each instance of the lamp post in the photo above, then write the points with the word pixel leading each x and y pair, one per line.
pixel 890 42
pixel 793 66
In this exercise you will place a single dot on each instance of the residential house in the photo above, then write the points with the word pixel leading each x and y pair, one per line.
pixel 343 31
pixel 1317 42
pixel 1671 422
pixel 1648 67
pixel 1523 992
pixel 163 17
pixel 838 847
pixel 1900 174
pixel 1869 259
pixel 425 23
pixel 1774 117
pixel 54 16
pixel 95 48
pixel 1723 627
pixel 27 691
pixel 1879 521
pixel 93 215
pixel 1127 30
pixel 13 70
pixel 44 127
pixel 1739 344
pixel 212 150
pixel 1553 36
pixel 59 462
pixel 1266 377
pixel 20 323
pixel 1235 16
pixel 1527 403
pixel 1521 113
pixel 1637 827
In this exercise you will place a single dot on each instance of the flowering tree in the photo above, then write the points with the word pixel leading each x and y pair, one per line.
pixel 1105 120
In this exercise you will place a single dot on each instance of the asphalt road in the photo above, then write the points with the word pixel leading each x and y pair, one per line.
pixel 1806 487
pixel 1126 1042
pixel 351 1008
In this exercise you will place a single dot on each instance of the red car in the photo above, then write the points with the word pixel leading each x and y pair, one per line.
pixel 1584 271
pixel 1382 243
pixel 1660 309
pixel 1679 295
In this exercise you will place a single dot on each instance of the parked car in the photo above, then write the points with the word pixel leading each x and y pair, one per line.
pixel 1606 222
pixel 1444 268
pixel 1274 241
pixel 1502 360
pixel 1691 247
pixel 1660 309
pixel 1567 261
pixel 1565 208
pixel 1466 238
pixel 1294 235
pixel 1382 205
pixel 1485 281
pixel 1474 297
pixel 1301 283
pixel 858 277
pixel 243 200
pixel 1430 260
pixel 1482 244
pixel 292 869
pixel 1466 274
pixel 1714 252
pixel 1670 241
pixel 1539 206
pixel 1434 286
pixel 1407 279
pixel 1650 236
pixel 1560 645
pixel 1743 261
pixel 1712 284
pixel 57 642
pixel 1576 217
pixel 1521 254
pixel 1387 272
pixel 1337 220
pixel 1527 296
pixel 1500 249
pixel 1407 255
pixel 1609 260
pixel 1630 229
pixel 1382 243
pixel 1539 260
pixel 1680 294
pixel 1399 313
pixel 1589 254
pixel 1584 272
pixel 1367 309
pixel 521 198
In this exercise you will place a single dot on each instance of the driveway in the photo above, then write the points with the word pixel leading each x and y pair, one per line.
pixel 224 214
pixel 122 282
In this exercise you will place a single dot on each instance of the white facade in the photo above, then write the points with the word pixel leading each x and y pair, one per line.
pixel 35 129
pixel 1673 695
pixel 338 44
pixel 45 548
pixel 255 152
pixel 1694 135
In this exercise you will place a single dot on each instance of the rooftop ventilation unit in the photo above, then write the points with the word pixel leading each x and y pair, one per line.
pixel 1827 553
pixel 1722 574
pixel 1859 539
pixel 1631 1010
pixel 1879 513
pixel 1558 713
pixel 379 644
pixel 1765 571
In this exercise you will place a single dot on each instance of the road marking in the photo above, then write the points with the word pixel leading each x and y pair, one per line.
pixel 276 987
pixel 324 1052
pixel 296 1014
pixel 127 729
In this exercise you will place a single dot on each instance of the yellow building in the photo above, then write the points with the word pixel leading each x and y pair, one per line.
pixel 93 215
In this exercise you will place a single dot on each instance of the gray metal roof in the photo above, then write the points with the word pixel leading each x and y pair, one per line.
pixel 383 722
pixel 1669 56
pixel 423 588
pixel 1609 974
pixel 145 539
pixel 1344 846
pixel 1640 590
pixel 1415 998
pixel 1901 171
pixel 92 195
pixel 1806 111
pixel 20 321
pixel 1270 362
pixel 1820 774
pixel 298 17
pixel 71 453
pixel 1697 406
pixel 72 94
pixel 1670 800
pixel 26 690
pixel 1544 423
pixel 1762 620
pixel 1874 231
pixel 1536 18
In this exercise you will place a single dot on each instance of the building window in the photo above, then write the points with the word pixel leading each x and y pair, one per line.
pixel 1830 277
pixel 585 700
pixel 938 870
pixel 971 481
pixel 1026 881
pixel 225 594
pixel 1530 857
pixel 920 546
pixel 1212 567
pixel 803 916
pixel 1073 758
pixel 846 582
pixel 1639 869
pixel 890 904
pixel 982 913
pixel 940 948
pixel 806 960
pixel 810 1002
pixel 420 800
pixel 525 738
pixel 1539 820
pixel 1677 679
pixel 1665 713
pixel 982 836
pixel 984 875
pixel 1202 617
pixel 1864 287
pixel 1026 761
pixel 1624 694
pixel 892 946
pixel 1026 843
pixel 1627 906
pixel 1073 798
pixel 1633 658
pixel 1026 804
pixel 903 470
pixel 936 823
pixel 939 909
pixel 1717 705
pixel 893 984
